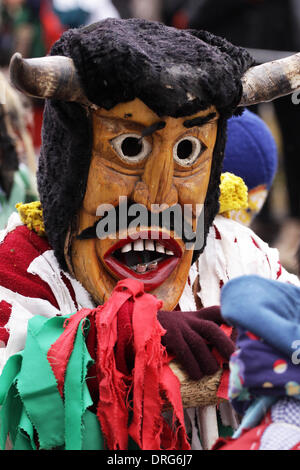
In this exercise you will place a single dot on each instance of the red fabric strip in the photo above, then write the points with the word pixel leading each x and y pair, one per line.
pixel 148 381
pixel 217 233
pixel 223 386
pixel 170 386
pixel 249 440
pixel 112 410
pixel 19 248
pixel 146 426
pixel 279 272
pixel 59 353
pixel 5 312
pixel 296 447
pixel 222 392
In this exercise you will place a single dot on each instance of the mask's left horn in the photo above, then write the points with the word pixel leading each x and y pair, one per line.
pixel 52 77
pixel 269 81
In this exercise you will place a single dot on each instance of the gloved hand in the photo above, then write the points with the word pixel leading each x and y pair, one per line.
pixel 191 336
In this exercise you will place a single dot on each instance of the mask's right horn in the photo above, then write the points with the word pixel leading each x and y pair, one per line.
pixel 271 80
pixel 47 77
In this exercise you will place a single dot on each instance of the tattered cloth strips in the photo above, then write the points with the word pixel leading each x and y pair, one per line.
pixel 81 362
pixel 33 414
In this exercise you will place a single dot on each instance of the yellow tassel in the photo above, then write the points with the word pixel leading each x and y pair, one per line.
pixel 32 216
pixel 234 194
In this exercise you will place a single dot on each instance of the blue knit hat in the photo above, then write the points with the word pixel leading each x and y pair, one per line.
pixel 250 150
pixel 269 309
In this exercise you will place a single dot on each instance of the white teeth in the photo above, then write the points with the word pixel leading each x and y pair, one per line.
pixel 126 248
pixel 149 245
pixel 160 248
pixel 138 245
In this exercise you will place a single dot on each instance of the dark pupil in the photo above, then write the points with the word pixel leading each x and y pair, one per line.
pixel 131 146
pixel 184 149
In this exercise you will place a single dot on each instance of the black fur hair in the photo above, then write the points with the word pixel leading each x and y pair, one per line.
pixel 174 72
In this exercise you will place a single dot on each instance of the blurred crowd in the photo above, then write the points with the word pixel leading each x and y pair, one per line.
pixel 32 26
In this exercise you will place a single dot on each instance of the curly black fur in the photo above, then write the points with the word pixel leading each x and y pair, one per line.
pixel 119 60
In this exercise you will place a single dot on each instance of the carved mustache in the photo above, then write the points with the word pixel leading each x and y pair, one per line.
pixel 171 219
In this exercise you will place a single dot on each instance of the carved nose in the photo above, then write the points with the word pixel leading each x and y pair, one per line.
pixel 157 185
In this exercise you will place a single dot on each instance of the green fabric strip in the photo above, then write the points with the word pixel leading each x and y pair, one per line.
pixel 25 435
pixel 92 434
pixel 10 414
pixel 37 385
pixel 31 403
pixel 9 374
pixel 76 398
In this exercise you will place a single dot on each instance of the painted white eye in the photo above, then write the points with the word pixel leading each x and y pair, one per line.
pixel 187 150
pixel 131 147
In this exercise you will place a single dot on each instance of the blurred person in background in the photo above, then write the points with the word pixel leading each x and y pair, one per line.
pixel 17 157
pixel 271 25
pixel 32 26
pixel 29 27
pixel 124 8
pixel 250 154
pixel 150 10
pixel 175 13
pixel 75 13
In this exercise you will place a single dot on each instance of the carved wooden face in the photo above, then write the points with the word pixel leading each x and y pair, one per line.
pixel 151 161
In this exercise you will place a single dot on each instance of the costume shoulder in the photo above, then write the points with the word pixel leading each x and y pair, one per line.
pixel 233 250
pixel 31 283
pixel 19 248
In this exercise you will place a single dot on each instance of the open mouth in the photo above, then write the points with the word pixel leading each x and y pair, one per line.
pixel 150 258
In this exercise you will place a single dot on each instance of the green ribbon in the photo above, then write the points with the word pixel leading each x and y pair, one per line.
pixel 32 409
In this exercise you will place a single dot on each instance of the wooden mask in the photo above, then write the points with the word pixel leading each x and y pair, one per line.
pixel 153 161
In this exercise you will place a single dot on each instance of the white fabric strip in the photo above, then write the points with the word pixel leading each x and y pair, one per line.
pixel 13 222
pixel 208 426
pixel 238 252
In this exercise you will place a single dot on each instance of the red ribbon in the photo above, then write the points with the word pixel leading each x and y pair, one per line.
pixel 222 392
pixel 150 382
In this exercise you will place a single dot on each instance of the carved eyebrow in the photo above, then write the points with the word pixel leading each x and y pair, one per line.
pixel 153 128
pixel 199 121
